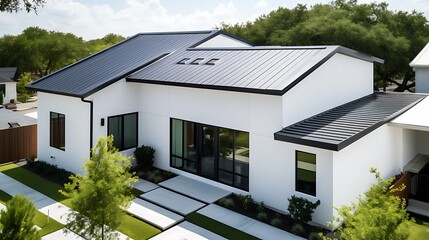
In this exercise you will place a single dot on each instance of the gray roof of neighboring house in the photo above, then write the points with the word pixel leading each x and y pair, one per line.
pixel 339 127
pixel 97 71
pixel 266 70
pixel 8 74
pixel 8 116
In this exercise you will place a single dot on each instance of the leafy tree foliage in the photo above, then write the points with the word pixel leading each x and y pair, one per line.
pixel 17 220
pixel 41 52
pixel 100 195
pixel 15 5
pixel 377 216
pixel 23 80
pixel 395 36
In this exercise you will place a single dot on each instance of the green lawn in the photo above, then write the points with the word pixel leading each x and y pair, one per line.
pixel 40 219
pixel 130 226
pixel 218 227
pixel 419 230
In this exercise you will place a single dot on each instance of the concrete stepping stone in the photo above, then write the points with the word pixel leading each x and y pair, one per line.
pixel 61 235
pixel 188 231
pixel 172 201
pixel 144 185
pixel 151 213
pixel 193 188
pixel 246 224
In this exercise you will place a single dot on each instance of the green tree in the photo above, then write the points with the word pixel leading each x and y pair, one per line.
pixel 17 220
pixel 101 194
pixel 376 216
pixel 395 36
pixel 97 45
pixel 23 80
pixel 15 5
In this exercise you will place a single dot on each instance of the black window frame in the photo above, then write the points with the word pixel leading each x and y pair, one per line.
pixel 296 175
pixel 122 116
pixel 3 88
pixel 61 132
pixel 198 140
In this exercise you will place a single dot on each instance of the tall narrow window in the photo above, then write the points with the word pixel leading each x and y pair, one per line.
pixel 3 88
pixel 57 130
pixel 306 173
pixel 124 129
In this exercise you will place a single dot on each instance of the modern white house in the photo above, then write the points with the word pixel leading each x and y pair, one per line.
pixel 8 76
pixel 267 121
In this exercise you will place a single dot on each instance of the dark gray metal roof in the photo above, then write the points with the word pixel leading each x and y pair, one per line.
pixel 97 71
pixel 8 74
pixel 266 70
pixel 339 127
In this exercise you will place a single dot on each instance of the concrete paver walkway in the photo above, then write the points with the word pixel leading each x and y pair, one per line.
pixel 145 186
pixel 158 216
pixel 246 224
pixel 57 235
pixel 198 190
pixel 188 231
pixel 43 203
pixel 172 201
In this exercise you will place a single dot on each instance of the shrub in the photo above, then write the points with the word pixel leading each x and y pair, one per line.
pixel 1 97
pixel 144 156
pixel 262 216
pixel 246 201
pixel 12 101
pixel 314 236
pixel 301 209
pixel 227 202
pixel 276 222
pixel 297 229
pixel 261 207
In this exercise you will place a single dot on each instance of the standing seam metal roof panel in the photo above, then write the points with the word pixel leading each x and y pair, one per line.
pixel 339 127
pixel 96 71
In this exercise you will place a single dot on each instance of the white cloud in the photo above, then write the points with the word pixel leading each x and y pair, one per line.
pixel 94 21
pixel 262 4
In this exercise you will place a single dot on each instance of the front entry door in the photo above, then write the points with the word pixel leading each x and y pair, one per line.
pixel 208 150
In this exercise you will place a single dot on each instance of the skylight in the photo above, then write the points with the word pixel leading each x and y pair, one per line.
pixel 183 61
pixel 212 61
pixel 197 61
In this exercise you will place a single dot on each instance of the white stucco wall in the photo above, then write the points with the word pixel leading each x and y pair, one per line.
pixel 222 40
pixel 116 99
pixel 339 80
pixel 76 131
pixel 10 88
pixel 422 79
pixel 422 142
pixel 381 149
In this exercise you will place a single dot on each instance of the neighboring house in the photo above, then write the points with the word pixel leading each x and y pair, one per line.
pixel 8 76
pixel 267 121
pixel 421 65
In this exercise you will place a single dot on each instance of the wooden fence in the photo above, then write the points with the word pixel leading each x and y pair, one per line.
pixel 406 180
pixel 18 143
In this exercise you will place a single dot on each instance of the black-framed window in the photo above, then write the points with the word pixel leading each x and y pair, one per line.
pixel 216 153
pixel 306 173
pixel 124 129
pixel 3 88
pixel 57 130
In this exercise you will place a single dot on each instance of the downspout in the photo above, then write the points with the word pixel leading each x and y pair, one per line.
pixel 91 121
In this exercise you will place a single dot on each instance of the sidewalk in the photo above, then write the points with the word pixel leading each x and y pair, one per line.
pixel 43 203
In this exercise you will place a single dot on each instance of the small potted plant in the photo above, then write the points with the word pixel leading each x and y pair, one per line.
pixel 11 104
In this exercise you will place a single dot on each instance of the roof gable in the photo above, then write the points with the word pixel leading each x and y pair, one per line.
pixel 422 59
pixel 99 70
pixel 8 74
pixel 265 70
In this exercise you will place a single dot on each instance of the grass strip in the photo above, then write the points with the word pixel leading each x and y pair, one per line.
pixel 218 227
pixel 130 226
pixel 419 230
pixel 40 219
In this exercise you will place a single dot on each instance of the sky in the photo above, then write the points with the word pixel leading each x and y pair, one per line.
pixel 92 19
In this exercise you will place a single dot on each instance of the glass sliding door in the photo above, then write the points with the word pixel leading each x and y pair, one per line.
pixel 208 149
pixel 216 153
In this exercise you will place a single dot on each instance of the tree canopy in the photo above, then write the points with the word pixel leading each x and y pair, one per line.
pixel 395 36
pixel 376 216
pixel 41 52
pixel 18 5
pixel 100 195
pixel 17 220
